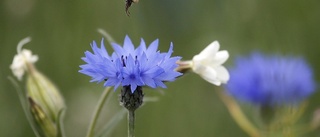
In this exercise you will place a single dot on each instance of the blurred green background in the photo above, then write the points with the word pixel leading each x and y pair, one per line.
pixel 62 30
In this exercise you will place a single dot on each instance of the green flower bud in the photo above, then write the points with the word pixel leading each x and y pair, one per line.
pixel 44 125
pixel 44 93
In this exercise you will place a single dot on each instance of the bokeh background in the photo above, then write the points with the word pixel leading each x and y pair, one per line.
pixel 62 30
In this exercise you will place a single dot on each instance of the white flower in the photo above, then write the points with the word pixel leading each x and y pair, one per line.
pixel 22 59
pixel 208 64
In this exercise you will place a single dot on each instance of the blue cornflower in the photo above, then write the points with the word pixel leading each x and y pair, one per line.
pixel 271 80
pixel 128 66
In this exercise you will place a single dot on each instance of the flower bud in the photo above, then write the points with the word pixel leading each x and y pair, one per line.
pixel 45 126
pixel 44 99
pixel 131 100
pixel 45 94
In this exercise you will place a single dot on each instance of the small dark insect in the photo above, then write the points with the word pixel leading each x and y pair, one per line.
pixel 128 5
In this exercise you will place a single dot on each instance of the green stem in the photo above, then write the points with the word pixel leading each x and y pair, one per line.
pixel 238 116
pixel 97 111
pixel 131 119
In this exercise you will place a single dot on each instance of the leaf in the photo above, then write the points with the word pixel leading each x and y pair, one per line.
pixel 115 120
pixel 106 35
pixel 60 127
pixel 25 107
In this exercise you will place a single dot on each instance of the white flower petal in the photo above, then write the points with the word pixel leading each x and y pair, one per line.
pixel 222 74
pixel 218 59
pixel 20 61
pixel 197 63
pixel 210 50
pixel 208 64
pixel 222 56
pixel 17 66
pixel 27 55
pixel 210 75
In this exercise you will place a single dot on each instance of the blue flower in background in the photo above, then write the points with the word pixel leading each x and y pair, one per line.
pixel 271 80
pixel 128 66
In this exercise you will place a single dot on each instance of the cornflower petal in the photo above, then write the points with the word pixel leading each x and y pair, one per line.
pixel 141 49
pixel 118 50
pixel 153 47
pixel 128 45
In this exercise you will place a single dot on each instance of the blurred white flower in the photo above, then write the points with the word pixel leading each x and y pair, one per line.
pixel 208 64
pixel 22 59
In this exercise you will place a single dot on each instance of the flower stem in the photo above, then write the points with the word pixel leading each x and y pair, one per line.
pixel 131 119
pixel 97 111
pixel 238 116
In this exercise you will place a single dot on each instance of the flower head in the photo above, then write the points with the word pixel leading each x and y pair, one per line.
pixel 128 66
pixel 208 64
pixel 22 59
pixel 271 80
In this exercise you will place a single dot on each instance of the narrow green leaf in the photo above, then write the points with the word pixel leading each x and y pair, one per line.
pixel 106 35
pixel 105 97
pixel 25 107
pixel 60 127
pixel 115 120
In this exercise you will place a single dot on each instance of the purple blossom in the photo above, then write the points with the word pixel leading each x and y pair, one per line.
pixel 128 66
pixel 271 80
